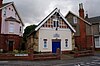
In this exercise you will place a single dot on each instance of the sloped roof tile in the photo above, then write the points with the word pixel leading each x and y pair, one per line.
pixel 94 19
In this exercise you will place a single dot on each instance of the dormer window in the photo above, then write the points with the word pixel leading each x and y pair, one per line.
pixel 55 22
pixel 75 20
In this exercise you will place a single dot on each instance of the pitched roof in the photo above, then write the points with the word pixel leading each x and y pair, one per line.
pixel 78 17
pixel 4 4
pixel 12 3
pixel 12 19
pixel 54 11
pixel 94 19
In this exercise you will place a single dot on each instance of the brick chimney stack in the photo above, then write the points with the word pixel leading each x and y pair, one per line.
pixel 81 10
pixel 82 27
pixel 0 15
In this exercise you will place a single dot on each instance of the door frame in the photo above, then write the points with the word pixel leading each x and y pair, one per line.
pixel 56 40
pixel 9 45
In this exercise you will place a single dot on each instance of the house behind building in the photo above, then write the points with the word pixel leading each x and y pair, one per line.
pixel 83 36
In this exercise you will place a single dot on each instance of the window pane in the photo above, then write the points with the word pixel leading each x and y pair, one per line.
pixel 54 24
pixel 11 27
pixel 66 42
pixel 20 30
pixel 75 19
pixel 97 42
pixel 45 43
pixel 57 24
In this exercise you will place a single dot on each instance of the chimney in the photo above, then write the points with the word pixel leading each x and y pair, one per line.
pixel 0 15
pixel 81 10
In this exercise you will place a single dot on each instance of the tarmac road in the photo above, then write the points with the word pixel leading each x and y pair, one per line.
pixel 81 61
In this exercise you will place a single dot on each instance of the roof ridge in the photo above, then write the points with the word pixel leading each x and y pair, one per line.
pixel 93 17
pixel 78 17
pixel 52 13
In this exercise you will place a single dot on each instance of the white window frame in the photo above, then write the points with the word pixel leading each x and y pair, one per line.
pixel 99 27
pixel 11 27
pixel 56 22
pixel 45 43
pixel 66 42
pixel 75 20
pixel 97 45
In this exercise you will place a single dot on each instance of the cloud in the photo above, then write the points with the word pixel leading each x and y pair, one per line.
pixel 34 11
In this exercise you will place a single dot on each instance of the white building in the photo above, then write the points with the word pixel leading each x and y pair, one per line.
pixel 52 33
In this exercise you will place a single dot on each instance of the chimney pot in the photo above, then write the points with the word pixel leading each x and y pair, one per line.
pixel 81 6
pixel 81 10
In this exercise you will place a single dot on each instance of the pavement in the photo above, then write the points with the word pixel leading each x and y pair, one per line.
pixel 81 61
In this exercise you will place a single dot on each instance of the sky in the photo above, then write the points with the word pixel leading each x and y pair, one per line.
pixel 34 11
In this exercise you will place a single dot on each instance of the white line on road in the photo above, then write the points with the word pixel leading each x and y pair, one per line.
pixel 3 61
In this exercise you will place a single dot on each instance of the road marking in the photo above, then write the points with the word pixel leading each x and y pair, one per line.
pixel 3 61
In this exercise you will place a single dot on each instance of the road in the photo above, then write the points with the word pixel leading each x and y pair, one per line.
pixel 81 61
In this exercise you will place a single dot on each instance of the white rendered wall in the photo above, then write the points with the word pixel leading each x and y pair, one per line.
pixel 5 24
pixel 48 34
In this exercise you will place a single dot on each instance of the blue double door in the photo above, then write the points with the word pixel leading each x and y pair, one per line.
pixel 55 45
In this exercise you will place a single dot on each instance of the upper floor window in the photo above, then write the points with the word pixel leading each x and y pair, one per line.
pixel 55 23
pixel 75 20
pixel 11 27
pixel 4 12
pixel 45 43
pixel 9 8
pixel 20 29
pixel 12 9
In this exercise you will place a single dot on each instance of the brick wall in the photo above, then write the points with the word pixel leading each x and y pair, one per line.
pixel 89 42
pixel 13 57
pixel 31 56
pixel 4 38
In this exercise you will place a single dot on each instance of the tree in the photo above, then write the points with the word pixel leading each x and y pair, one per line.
pixel 27 31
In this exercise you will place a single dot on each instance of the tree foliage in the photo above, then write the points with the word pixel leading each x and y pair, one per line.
pixel 27 31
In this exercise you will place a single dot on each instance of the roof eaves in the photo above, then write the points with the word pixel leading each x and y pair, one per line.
pixel 45 19
pixel 17 13
pixel 55 10
pixel 67 23
pixel 14 8
pixel 6 5
pixel 79 17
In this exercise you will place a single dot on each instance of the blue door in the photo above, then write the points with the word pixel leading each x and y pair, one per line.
pixel 55 45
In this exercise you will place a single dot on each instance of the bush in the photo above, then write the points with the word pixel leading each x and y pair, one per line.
pixel 19 52
pixel 15 51
pixel 22 52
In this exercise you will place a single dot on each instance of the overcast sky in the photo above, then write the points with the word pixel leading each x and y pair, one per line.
pixel 34 11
